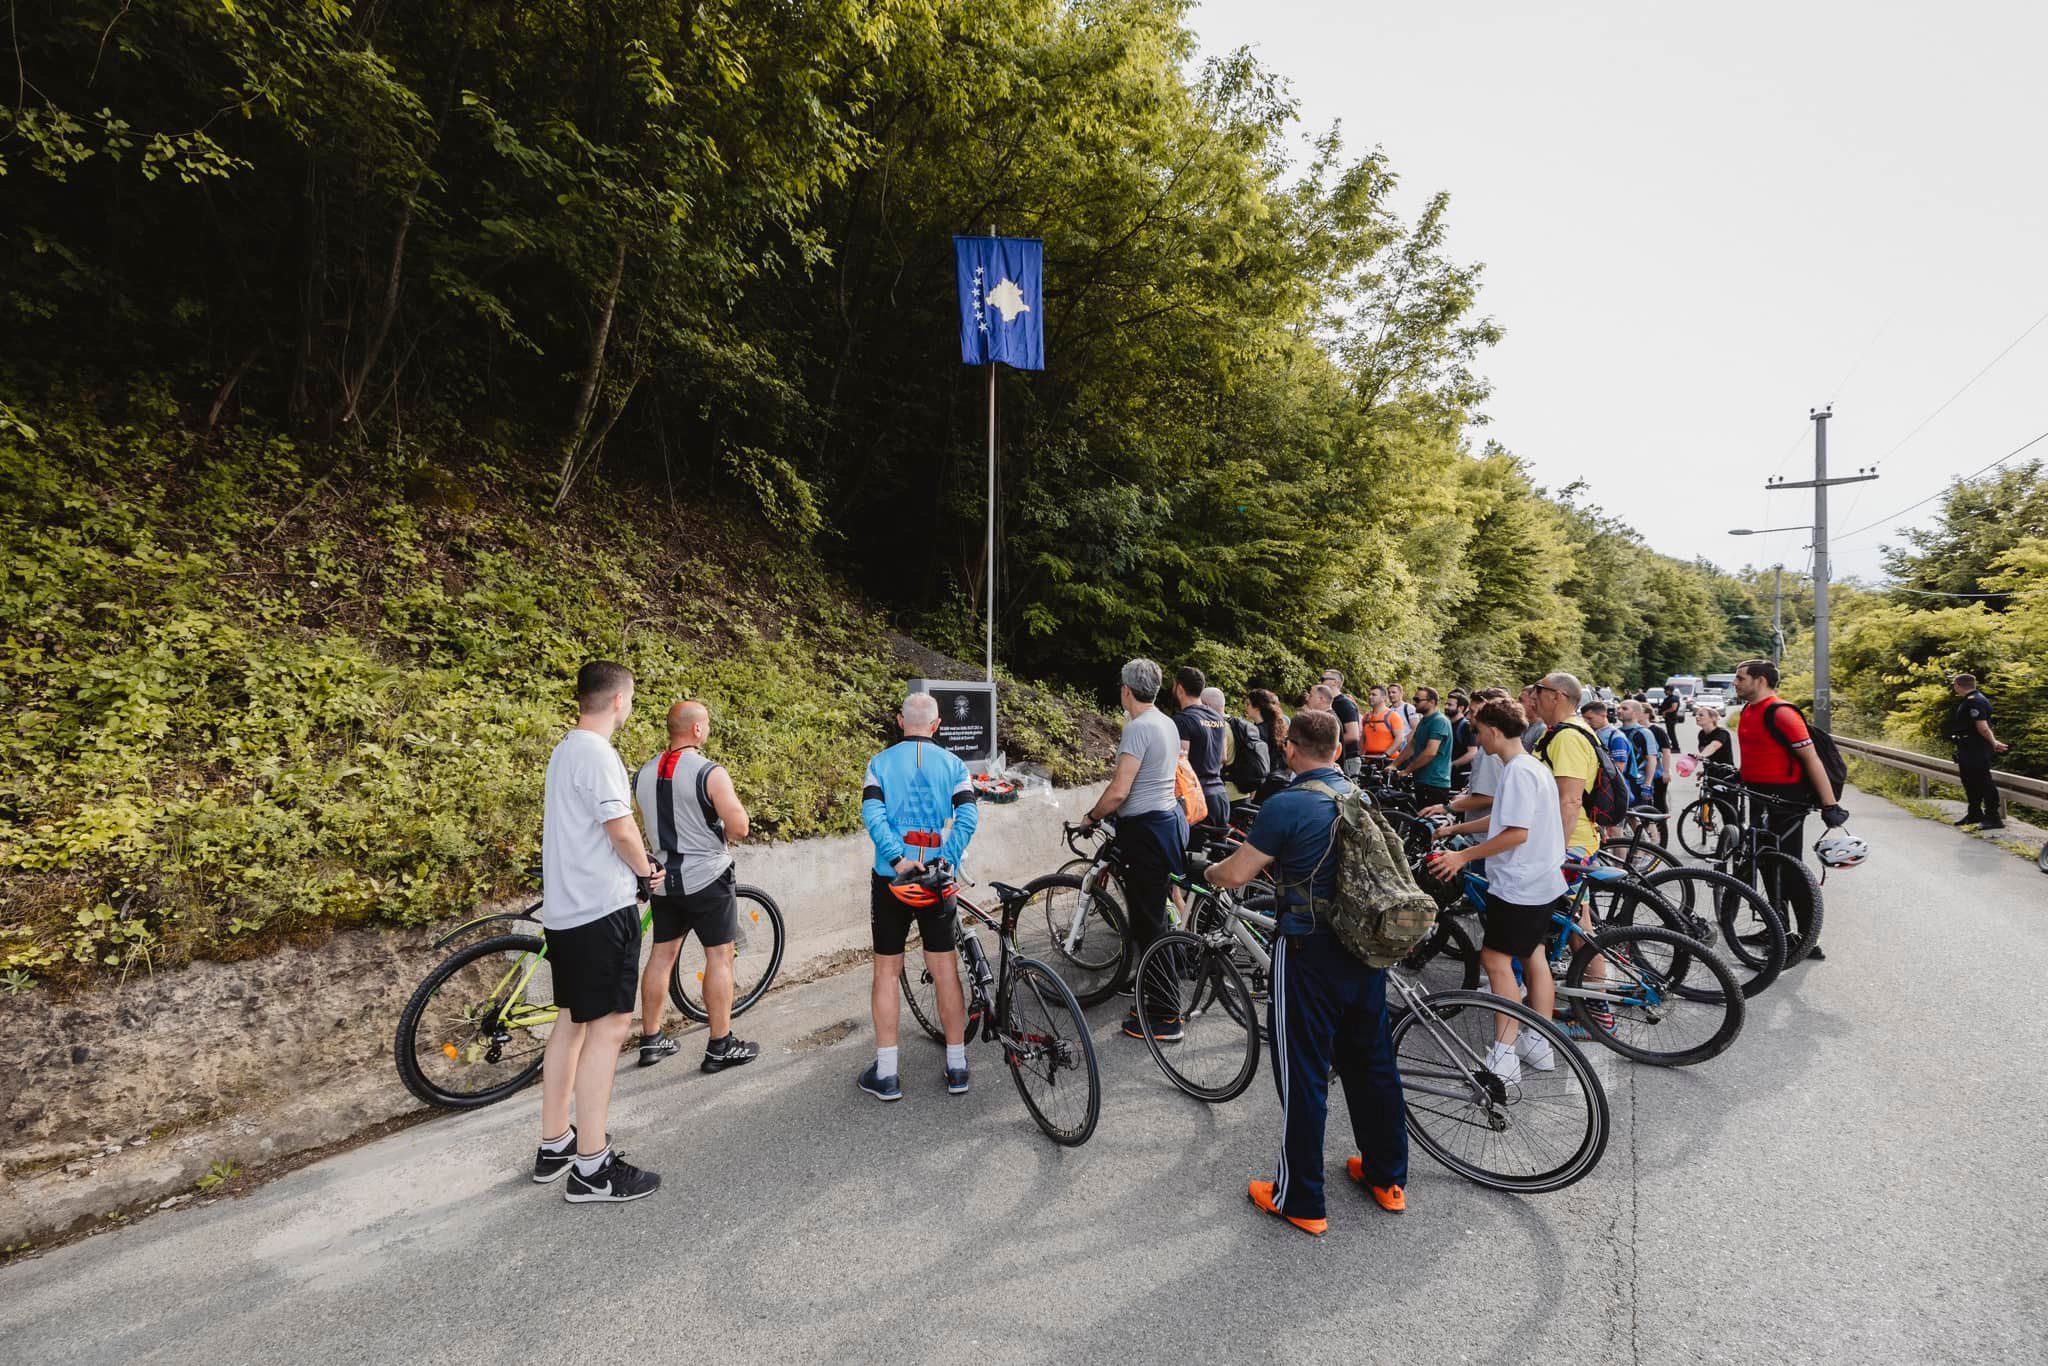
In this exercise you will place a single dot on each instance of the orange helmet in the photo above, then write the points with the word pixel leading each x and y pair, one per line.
pixel 914 894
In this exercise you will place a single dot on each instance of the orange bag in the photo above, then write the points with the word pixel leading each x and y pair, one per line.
pixel 1189 791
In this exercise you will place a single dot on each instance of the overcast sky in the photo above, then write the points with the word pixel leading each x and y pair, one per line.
pixel 1698 222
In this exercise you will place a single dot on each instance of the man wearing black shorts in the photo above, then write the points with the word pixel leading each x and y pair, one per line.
pixel 691 811
pixel 917 802
pixel 594 871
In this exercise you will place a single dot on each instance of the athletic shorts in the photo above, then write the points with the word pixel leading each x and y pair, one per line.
pixel 891 922
pixel 597 966
pixel 712 913
pixel 1515 929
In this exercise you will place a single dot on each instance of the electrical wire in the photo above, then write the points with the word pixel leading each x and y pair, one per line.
pixel 1893 517
pixel 1943 406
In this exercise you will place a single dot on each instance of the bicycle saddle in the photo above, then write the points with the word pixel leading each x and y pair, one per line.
pixel 1007 894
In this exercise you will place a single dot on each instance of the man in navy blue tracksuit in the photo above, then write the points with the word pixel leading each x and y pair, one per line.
pixel 1329 1010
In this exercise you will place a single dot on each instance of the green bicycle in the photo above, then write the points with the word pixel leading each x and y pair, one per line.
pixel 476 1029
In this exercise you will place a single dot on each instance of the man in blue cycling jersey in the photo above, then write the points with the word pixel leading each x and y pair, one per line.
pixel 917 802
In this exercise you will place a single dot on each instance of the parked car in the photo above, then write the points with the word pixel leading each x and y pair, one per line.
pixel 1656 695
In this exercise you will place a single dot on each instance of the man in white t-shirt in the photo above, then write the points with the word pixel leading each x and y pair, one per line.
pixel 594 872
pixel 1524 853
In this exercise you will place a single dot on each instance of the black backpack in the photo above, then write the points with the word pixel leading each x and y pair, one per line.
pixel 1608 796
pixel 1254 762
pixel 1831 761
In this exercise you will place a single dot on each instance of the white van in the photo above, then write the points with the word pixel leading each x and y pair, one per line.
pixel 1684 685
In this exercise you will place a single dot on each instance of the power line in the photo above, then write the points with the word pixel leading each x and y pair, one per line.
pixel 1963 480
pixel 1965 389
pixel 1930 593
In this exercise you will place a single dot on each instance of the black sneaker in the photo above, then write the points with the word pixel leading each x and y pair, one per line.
pixel 655 1047
pixel 616 1181
pixel 548 1166
pixel 735 1052
pixel 1983 826
pixel 1167 1029
pixel 1817 955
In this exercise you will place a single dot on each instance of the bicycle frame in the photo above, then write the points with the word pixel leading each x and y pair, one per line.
pixel 530 1016
pixel 1566 934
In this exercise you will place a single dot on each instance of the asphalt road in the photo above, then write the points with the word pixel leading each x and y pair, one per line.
pixel 1859 1179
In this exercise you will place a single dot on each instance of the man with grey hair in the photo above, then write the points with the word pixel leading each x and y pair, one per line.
pixel 1151 832
pixel 917 802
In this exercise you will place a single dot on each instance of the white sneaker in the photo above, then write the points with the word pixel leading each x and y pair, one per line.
pixel 1534 1050
pixel 1502 1062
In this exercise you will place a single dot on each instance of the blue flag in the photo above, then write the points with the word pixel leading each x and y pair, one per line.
pixel 1002 300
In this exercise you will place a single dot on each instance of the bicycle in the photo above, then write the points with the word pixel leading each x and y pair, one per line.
pixel 1021 1004
pixel 1539 1134
pixel 1756 858
pixel 476 1028
pixel 1704 818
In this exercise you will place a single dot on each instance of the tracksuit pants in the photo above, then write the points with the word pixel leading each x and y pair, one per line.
pixel 1329 1013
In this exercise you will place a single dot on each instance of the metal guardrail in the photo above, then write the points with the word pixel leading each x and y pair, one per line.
pixel 2015 788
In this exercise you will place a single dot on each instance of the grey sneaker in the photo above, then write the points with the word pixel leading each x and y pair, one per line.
pixel 655 1047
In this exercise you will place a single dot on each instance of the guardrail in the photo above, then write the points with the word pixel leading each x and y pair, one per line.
pixel 2019 790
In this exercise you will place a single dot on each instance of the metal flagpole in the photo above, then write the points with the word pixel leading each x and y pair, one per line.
pixel 990 646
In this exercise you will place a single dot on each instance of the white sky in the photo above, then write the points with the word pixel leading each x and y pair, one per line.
pixel 1698 222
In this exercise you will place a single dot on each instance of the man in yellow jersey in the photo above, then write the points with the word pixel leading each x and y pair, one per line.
pixel 1567 748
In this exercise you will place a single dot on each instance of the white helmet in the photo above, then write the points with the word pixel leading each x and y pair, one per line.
pixel 1840 849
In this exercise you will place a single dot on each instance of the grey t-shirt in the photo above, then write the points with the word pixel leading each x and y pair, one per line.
pixel 1153 739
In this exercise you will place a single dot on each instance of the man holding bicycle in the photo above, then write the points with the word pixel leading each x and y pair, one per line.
pixel 1780 764
pixel 1329 1010
pixel 594 871
pixel 916 800
pixel 691 811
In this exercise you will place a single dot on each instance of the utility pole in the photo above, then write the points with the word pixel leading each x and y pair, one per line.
pixel 1823 700
pixel 1777 613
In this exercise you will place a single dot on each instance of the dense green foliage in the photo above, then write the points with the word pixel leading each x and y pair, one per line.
pixel 250 697
pixel 710 244
pixel 421 292
pixel 1970 595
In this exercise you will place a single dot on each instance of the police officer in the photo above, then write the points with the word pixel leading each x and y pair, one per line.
pixel 1329 1009
pixel 1969 730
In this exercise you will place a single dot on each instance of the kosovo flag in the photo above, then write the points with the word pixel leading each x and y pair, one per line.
pixel 1002 300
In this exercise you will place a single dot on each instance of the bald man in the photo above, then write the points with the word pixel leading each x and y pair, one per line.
pixel 690 811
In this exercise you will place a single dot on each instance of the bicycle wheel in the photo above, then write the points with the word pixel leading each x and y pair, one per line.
pixel 757 957
pixel 1417 835
pixel 1794 892
pixel 922 993
pixel 1051 1057
pixel 1081 935
pixel 1447 960
pixel 1190 983
pixel 1700 825
pixel 471 1035
pixel 1638 856
pixel 1675 1001
pixel 1540 1134
pixel 1730 917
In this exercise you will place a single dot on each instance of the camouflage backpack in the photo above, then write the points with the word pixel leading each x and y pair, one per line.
pixel 1376 909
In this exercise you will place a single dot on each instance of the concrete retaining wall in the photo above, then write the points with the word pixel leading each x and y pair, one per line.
pixel 129 1094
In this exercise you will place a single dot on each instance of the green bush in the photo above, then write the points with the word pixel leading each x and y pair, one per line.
pixel 254 695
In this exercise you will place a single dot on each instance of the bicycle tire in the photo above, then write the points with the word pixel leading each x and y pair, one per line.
pixel 1736 913
pixel 920 992
pixel 1700 825
pixel 1056 1036
pixel 1626 948
pixel 1437 1068
pixel 1100 960
pixel 1192 981
pixel 459 1031
pixel 757 957
pixel 1794 892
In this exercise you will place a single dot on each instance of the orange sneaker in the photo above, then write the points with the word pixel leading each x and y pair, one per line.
pixel 1261 1193
pixel 1393 1199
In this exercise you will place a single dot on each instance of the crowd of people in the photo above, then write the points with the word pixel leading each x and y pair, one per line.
pixel 1518 774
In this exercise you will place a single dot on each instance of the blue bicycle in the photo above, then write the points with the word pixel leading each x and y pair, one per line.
pixel 1648 992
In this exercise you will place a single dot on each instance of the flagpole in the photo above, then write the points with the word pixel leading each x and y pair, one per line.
pixel 990 644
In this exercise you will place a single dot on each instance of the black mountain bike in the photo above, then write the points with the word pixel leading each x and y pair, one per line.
pixel 1020 1003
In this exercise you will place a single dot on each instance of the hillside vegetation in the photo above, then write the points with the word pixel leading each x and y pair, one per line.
pixel 252 693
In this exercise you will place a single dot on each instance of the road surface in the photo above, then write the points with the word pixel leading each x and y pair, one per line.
pixel 1859 1179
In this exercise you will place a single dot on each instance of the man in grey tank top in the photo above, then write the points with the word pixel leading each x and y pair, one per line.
pixel 690 811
